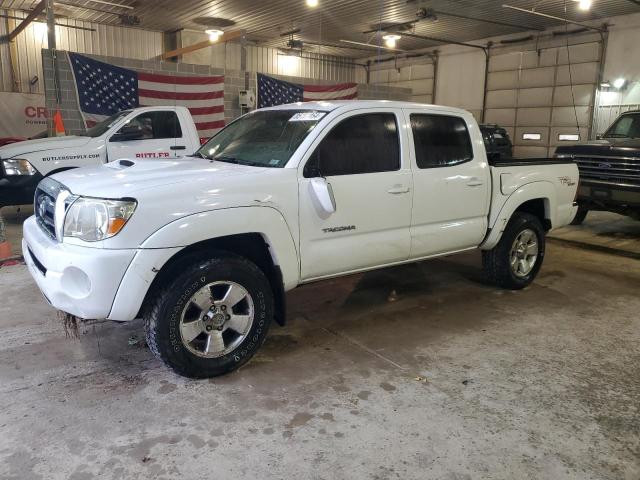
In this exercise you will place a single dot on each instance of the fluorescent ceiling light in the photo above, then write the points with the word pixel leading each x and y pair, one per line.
pixel 214 35
pixel 390 40
pixel 619 83
pixel 584 5
pixel 312 3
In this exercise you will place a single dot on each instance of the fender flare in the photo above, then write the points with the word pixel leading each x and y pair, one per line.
pixel 163 244
pixel 265 220
pixel 544 190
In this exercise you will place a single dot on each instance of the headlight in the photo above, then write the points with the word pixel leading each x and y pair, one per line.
pixel 18 166
pixel 95 219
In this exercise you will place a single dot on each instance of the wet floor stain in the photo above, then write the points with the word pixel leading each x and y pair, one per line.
pixel 387 387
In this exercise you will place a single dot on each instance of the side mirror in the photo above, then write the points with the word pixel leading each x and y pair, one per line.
pixel 322 193
pixel 128 132
pixel 599 137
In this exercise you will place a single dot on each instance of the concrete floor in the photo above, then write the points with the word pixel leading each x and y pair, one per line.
pixel 605 231
pixel 447 378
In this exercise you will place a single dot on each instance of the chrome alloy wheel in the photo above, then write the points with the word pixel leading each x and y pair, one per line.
pixel 216 319
pixel 524 253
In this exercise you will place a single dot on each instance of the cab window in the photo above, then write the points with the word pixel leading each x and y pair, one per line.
pixel 360 144
pixel 440 140
pixel 154 126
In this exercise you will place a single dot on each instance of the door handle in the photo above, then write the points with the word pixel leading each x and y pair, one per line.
pixel 398 189
pixel 177 147
pixel 474 182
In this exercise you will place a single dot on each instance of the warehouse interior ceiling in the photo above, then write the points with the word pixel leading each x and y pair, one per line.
pixel 324 29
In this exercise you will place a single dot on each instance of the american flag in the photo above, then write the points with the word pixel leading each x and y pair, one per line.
pixel 104 89
pixel 272 91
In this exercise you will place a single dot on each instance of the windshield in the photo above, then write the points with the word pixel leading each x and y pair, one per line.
pixel 100 128
pixel 627 126
pixel 265 138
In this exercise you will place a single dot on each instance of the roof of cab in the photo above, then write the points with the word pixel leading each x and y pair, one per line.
pixel 346 105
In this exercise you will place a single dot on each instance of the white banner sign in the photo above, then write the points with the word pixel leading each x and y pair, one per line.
pixel 22 114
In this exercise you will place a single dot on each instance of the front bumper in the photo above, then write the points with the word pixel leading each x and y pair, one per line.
pixel 17 189
pixel 82 281
pixel 603 193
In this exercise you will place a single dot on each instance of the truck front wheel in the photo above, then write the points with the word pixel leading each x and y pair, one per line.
pixel 517 258
pixel 212 318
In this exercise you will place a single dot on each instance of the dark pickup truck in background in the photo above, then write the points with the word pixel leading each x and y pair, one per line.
pixel 496 141
pixel 609 169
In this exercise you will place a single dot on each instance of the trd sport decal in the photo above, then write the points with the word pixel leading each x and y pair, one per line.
pixel 339 229
pixel 568 181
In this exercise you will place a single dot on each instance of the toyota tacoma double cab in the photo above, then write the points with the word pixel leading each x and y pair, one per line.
pixel 609 169
pixel 146 132
pixel 204 248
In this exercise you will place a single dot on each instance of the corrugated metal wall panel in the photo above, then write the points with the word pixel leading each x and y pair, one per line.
pixel 5 64
pixel 324 67
pixel 105 40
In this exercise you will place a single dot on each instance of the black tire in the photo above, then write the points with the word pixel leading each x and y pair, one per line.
pixel 496 262
pixel 581 214
pixel 163 315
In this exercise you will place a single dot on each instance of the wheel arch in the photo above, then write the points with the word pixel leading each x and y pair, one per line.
pixel 268 243
pixel 59 170
pixel 537 198
pixel 251 245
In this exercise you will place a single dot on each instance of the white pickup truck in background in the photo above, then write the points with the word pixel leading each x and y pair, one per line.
pixel 205 247
pixel 146 132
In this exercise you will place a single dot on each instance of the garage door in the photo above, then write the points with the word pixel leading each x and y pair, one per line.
pixel 418 77
pixel 529 93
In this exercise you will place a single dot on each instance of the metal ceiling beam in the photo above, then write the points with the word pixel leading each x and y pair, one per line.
pixel 374 47
pixel 87 29
pixel 493 22
pixel 552 17
pixel 39 8
pixel 436 39
pixel 200 45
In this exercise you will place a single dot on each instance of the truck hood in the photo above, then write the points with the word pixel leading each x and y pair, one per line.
pixel 42 144
pixel 167 191
pixel 609 147
pixel 142 178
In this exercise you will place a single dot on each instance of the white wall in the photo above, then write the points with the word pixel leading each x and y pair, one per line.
pixel 623 59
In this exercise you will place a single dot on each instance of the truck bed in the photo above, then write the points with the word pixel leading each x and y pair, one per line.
pixel 523 162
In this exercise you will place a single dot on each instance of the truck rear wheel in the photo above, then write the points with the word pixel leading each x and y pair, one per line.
pixel 212 318
pixel 581 214
pixel 517 258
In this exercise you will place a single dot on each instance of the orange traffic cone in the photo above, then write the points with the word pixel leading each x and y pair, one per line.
pixel 5 246
pixel 58 124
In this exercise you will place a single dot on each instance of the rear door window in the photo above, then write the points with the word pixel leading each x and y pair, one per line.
pixel 440 140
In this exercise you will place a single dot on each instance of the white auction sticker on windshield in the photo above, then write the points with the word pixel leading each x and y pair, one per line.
pixel 307 116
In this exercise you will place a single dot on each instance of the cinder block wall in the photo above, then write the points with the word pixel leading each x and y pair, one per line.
pixel 235 80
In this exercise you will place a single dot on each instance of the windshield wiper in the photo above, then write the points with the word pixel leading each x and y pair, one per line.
pixel 616 135
pixel 199 155
pixel 225 158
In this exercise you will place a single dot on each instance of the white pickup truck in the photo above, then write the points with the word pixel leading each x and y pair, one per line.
pixel 205 248
pixel 146 132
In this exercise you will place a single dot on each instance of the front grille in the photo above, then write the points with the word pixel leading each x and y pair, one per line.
pixel 44 204
pixel 620 170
